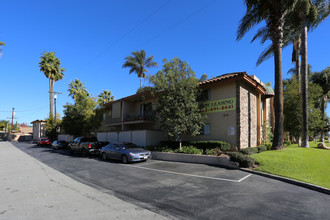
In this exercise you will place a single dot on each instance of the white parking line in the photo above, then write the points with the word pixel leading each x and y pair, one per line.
pixel 191 175
pixel 149 163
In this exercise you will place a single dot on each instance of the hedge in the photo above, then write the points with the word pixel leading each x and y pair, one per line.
pixel 249 151
pixel 189 150
pixel 262 148
pixel 242 159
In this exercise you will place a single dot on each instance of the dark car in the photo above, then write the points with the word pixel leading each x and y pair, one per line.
pixel 43 142
pixel 126 152
pixel 60 145
pixel 85 146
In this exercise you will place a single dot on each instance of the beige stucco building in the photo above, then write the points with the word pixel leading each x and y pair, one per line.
pixel 236 105
pixel 39 129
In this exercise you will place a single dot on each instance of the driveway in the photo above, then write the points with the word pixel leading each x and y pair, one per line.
pixel 189 191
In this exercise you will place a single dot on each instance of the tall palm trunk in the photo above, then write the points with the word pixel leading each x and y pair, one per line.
pixel 51 89
pixel 141 82
pixel 278 100
pixel 304 84
pixel 277 39
pixel 298 44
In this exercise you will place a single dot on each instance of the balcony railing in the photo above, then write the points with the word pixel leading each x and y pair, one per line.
pixel 113 121
pixel 128 118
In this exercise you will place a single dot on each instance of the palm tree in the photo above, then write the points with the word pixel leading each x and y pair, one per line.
pixel 77 88
pixel 307 15
pixel 51 67
pixel 323 79
pixel 139 63
pixel 1 44
pixel 273 13
pixel 303 16
pixel 105 97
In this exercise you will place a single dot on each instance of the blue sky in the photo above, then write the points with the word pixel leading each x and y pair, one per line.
pixel 92 38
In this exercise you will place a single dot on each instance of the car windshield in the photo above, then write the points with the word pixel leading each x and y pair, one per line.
pixel 127 146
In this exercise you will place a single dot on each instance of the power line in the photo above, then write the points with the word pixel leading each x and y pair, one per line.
pixel 168 28
pixel 127 33
pixel 179 22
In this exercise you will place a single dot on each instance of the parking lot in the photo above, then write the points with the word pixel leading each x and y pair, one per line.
pixel 189 191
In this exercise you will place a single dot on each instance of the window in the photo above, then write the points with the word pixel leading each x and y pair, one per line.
pixel 146 110
pixel 206 129
pixel 104 116
pixel 205 95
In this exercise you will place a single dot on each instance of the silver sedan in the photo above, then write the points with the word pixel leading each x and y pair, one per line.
pixel 126 152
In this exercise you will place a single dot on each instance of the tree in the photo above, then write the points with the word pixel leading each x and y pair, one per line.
pixel 292 108
pixel 82 117
pixel 304 15
pixel 177 109
pixel 273 13
pixel 139 64
pixel 4 125
pixel 323 80
pixel 105 97
pixel 50 127
pixel 51 67
pixel 1 44
pixel 77 88
pixel 203 77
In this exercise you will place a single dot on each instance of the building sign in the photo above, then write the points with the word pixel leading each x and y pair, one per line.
pixel 219 105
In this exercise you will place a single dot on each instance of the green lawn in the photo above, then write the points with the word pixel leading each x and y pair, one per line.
pixel 311 165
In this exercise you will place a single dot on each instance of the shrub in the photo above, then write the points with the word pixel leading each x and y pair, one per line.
pixel 268 145
pixel 249 150
pixel 223 146
pixel 287 143
pixel 242 159
pixel 189 150
pixel 215 151
pixel 159 148
pixel 262 148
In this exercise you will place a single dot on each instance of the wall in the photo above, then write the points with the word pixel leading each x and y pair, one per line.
pixel 221 123
pixel 65 137
pixel 247 117
pixel 116 110
pixel 139 137
pixel 39 130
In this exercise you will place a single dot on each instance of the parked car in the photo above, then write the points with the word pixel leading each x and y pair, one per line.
pixel 43 142
pixel 126 152
pixel 84 146
pixel 60 145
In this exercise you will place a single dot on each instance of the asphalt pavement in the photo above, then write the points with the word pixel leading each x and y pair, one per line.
pixel 182 190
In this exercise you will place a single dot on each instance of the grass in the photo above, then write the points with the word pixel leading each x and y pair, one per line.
pixel 311 165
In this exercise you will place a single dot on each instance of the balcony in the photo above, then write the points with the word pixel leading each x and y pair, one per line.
pixel 113 121
pixel 135 119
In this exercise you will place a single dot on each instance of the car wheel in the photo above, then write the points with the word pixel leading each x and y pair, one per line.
pixel 104 156
pixel 124 159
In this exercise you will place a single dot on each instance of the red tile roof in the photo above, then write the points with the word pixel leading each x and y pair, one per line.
pixel 222 77
pixel 242 75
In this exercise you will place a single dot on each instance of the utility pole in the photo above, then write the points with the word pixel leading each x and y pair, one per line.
pixel 55 97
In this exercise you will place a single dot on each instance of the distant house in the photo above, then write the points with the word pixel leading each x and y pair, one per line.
pixel 39 129
pixel 26 129
pixel 236 105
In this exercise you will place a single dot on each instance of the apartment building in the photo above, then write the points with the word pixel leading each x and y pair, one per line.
pixel 236 105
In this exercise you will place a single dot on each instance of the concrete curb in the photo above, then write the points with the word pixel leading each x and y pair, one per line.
pixel 291 181
pixel 193 158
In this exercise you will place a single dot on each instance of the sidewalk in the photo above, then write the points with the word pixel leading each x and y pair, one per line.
pixel 31 190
